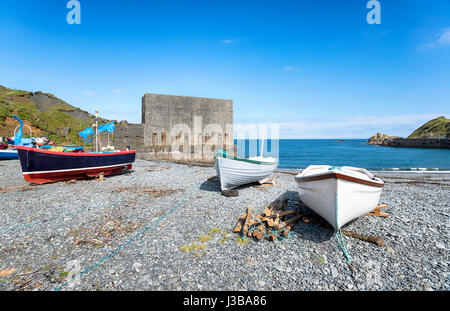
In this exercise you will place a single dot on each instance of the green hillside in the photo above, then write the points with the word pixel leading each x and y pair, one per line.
pixel 44 112
pixel 439 127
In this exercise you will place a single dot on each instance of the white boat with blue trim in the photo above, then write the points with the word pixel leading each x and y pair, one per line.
pixel 8 154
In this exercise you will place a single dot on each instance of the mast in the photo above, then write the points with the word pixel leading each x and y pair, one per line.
pixel 96 131
pixel 262 148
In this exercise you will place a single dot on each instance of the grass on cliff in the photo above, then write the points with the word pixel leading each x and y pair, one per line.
pixel 433 128
pixel 54 122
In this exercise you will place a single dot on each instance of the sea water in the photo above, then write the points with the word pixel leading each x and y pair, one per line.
pixel 299 153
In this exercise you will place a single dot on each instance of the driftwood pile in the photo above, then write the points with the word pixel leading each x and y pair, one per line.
pixel 275 222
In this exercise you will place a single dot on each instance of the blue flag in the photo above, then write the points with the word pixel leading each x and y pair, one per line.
pixel 86 132
pixel 18 136
pixel 107 127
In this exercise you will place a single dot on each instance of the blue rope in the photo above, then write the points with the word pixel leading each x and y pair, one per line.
pixel 48 219
pixel 59 216
pixel 121 247
pixel 55 217
pixel 342 245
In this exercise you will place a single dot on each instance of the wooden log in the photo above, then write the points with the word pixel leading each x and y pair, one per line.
pixel 257 220
pixel 378 214
pixel 377 211
pixel 247 221
pixel 272 237
pixel 284 203
pixel 284 213
pixel 15 188
pixel 269 182
pixel 291 220
pixel 272 216
pixel 240 222
pixel 276 221
pixel 306 220
pixel 371 239
pixel 258 234
pixel 287 230
pixel 278 227
pixel 286 226
pixel 261 228
pixel 289 226
pixel 270 222
pixel 268 211
pixel 100 177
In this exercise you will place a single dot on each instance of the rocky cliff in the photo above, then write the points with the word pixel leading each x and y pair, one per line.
pixel 44 113
pixel 433 134
pixel 436 128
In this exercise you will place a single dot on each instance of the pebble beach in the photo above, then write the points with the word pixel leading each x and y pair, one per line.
pixel 164 226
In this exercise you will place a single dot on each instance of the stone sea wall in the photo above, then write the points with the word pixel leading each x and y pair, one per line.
pixel 395 141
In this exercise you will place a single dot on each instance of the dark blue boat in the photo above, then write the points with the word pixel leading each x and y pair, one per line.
pixel 40 166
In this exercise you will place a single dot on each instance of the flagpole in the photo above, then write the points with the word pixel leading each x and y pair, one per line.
pixel 96 131
pixel 262 147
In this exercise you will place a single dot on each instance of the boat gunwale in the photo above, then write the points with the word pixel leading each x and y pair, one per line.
pixel 225 155
pixel 8 150
pixel 336 175
pixel 250 161
pixel 76 154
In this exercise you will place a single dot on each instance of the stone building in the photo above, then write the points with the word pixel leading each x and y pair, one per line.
pixel 129 134
pixel 192 124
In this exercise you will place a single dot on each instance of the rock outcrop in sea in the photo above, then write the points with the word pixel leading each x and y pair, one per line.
pixel 433 134
pixel 381 139
pixel 395 141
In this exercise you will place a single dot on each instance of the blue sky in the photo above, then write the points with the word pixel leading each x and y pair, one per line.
pixel 317 68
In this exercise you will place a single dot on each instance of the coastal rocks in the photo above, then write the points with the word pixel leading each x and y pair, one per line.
pixel 433 134
pixel 395 141
pixel 381 139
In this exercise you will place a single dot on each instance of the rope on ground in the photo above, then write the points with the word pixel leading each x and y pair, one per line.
pixel 342 245
pixel 53 218
pixel 63 215
pixel 123 245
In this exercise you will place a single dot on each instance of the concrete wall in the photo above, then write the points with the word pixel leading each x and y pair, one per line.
pixel 420 143
pixel 413 142
pixel 129 134
pixel 202 119
pixel 161 113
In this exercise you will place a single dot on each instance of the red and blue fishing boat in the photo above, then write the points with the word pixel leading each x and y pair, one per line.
pixel 8 147
pixel 41 165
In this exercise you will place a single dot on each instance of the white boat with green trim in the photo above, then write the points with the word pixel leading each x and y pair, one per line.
pixel 234 171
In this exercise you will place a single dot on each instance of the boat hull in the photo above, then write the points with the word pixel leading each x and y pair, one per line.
pixel 8 154
pixel 40 166
pixel 235 173
pixel 339 198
